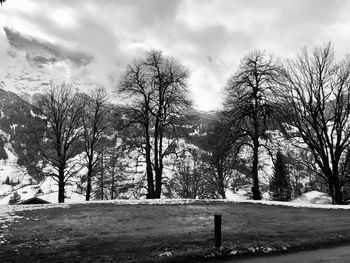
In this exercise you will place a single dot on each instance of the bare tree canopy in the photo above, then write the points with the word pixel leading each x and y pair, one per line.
pixel 250 103
pixel 220 144
pixel 157 86
pixel 63 111
pixel 95 124
pixel 316 90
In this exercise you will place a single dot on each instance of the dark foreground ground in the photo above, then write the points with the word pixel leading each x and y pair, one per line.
pixel 107 232
pixel 325 255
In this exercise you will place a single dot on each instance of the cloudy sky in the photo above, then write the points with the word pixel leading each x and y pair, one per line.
pixel 208 36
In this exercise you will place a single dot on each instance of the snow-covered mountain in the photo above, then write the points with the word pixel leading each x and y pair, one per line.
pixel 29 65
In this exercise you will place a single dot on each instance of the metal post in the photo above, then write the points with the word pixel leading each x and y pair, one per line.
pixel 217 230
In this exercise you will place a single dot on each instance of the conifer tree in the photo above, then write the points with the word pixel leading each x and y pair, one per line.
pixel 280 186
pixel 7 180
pixel 3 154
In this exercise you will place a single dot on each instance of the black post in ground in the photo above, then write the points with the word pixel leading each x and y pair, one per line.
pixel 217 230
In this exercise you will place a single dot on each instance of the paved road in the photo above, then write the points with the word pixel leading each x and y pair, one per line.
pixel 333 255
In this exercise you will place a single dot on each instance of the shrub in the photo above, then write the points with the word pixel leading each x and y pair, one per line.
pixel 15 198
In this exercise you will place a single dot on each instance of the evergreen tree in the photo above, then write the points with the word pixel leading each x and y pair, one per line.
pixel 3 154
pixel 7 180
pixel 280 186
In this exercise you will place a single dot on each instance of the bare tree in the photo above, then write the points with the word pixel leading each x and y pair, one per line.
pixel 220 144
pixel 250 105
pixel 316 92
pixel 62 109
pixel 188 181
pixel 117 176
pixel 100 192
pixel 94 127
pixel 157 86
pixel 139 119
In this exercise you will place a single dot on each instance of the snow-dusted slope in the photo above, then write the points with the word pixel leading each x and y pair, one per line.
pixel 11 170
pixel 27 68
pixel 29 65
pixel 46 190
pixel 26 186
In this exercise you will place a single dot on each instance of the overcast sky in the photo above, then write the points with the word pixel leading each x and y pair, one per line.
pixel 208 36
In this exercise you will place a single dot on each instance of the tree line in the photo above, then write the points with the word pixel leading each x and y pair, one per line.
pixel 306 99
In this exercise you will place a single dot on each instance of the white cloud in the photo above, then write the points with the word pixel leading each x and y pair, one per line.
pixel 208 36
pixel 64 18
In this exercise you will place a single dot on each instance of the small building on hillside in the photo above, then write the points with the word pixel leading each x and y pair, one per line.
pixel 34 201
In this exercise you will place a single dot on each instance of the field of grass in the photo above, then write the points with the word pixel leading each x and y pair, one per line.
pixel 105 232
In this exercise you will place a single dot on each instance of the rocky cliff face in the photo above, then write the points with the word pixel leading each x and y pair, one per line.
pixel 29 65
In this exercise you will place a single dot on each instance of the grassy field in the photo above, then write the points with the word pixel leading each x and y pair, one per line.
pixel 105 232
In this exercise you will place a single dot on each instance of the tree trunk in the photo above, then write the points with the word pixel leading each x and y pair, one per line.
pixel 220 184
pixel 338 195
pixel 157 157
pixel 112 186
pixel 222 192
pixel 334 187
pixel 256 126
pixel 158 174
pixel 158 192
pixel 255 188
pixel 149 174
pixel 88 185
pixel 61 186
pixel 160 162
pixel 113 165
pixel 102 175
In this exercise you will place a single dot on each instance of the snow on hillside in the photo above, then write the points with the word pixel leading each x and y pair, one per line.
pixel 26 186
pixel 46 190
pixel 10 169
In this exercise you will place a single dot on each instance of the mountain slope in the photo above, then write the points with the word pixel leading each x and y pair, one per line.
pixel 30 65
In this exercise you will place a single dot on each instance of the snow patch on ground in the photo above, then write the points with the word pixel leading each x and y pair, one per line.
pixel 204 201
pixel 314 197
